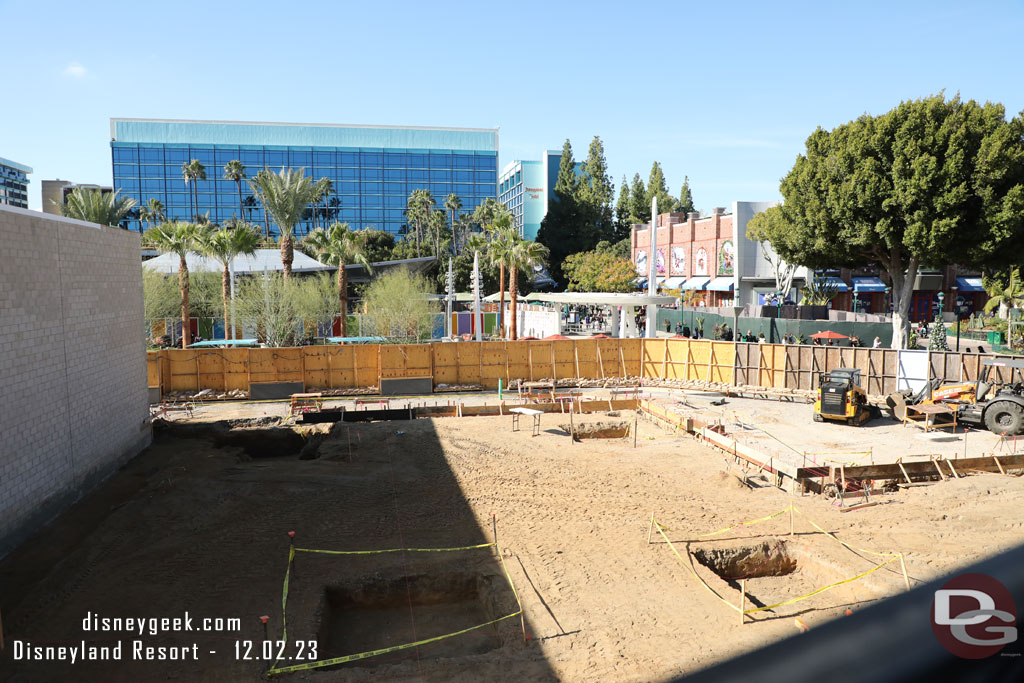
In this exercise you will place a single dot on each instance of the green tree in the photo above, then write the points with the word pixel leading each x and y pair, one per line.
pixel 400 306
pixel 418 208
pixel 274 305
pixel 596 192
pixel 437 225
pixel 599 271
pixel 640 205
pixel 338 245
pixel 453 204
pixel 523 255
pixel 152 212
pixel 499 254
pixel 623 211
pixel 285 197
pixel 182 239
pixel 1005 292
pixel 759 229
pixel 192 172
pixel 224 245
pixel 324 189
pixel 656 186
pixel 621 249
pixel 563 230
pixel 235 171
pixel 96 206
pixel 937 336
pixel 378 245
pixel 685 197
pixel 932 182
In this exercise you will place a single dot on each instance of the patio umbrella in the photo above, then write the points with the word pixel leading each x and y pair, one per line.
pixel 527 339
pixel 600 336
pixel 828 334
pixel 556 336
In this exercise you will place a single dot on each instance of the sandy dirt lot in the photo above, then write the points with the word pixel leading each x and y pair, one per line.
pixel 199 523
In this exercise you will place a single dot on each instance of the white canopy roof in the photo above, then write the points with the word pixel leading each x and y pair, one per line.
pixel 603 298
pixel 263 260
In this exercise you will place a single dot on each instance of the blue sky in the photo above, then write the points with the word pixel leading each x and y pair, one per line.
pixel 725 93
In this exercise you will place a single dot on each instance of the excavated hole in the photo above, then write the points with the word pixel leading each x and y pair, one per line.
pixel 599 430
pixel 376 615
pixel 257 438
pixel 766 558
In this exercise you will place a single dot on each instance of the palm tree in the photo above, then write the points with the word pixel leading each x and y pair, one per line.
pixel 152 212
pixel 224 245
pixel 502 237
pixel 454 204
pixel 437 224
pixel 418 209
pixel 325 188
pixel 522 255
pixel 193 171
pixel 96 206
pixel 181 238
pixel 338 245
pixel 234 170
pixel 1005 294
pixel 285 196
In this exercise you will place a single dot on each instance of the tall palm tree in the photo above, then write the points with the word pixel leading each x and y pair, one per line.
pixel 285 196
pixel 152 212
pixel 1005 294
pixel 437 224
pixel 181 238
pixel 498 253
pixel 224 245
pixel 193 171
pixel 453 204
pixel 234 170
pixel 338 245
pixel 418 209
pixel 522 255
pixel 324 190
pixel 96 206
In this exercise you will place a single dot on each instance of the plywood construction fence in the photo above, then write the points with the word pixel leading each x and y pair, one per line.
pixel 341 367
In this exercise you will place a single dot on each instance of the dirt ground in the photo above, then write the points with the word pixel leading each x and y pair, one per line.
pixel 199 523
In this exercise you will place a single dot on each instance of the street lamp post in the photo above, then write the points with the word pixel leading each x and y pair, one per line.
pixel 957 303
pixel 942 297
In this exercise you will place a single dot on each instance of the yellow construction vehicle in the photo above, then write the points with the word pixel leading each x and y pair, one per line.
pixel 999 407
pixel 841 398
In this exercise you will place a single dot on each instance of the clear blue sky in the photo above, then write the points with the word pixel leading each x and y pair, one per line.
pixel 725 93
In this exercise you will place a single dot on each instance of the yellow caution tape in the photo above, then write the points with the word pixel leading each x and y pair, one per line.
pixel 374 653
pixel 820 590
pixel 274 669
pixel 392 550
pixel 753 521
pixel 833 537
pixel 690 569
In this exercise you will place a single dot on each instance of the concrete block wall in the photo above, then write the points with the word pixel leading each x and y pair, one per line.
pixel 73 398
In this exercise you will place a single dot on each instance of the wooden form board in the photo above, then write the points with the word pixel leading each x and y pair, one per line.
pixel 339 367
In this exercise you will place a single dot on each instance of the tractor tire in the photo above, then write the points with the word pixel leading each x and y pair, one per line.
pixel 1004 418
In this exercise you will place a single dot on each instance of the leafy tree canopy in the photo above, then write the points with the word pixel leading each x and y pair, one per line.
pixel 599 271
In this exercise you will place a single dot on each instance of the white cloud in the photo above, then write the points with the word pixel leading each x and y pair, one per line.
pixel 75 70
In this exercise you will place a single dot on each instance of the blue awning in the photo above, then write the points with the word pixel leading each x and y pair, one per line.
pixel 356 340
pixel 969 284
pixel 699 283
pixel 868 284
pixel 721 284
pixel 674 282
pixel 840 285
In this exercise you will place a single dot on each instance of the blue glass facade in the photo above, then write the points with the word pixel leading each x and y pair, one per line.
pixel 14 183
pixel 528 187
pixel 370 183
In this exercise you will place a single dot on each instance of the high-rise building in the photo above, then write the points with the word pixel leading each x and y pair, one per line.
pixel 527 187
pixel 14 183
pixel 373 169
pixel 55 192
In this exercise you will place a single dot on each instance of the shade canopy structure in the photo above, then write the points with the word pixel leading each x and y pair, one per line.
pixel 673 282
pixel 828 334
pixel 600 336
pixel 601 298
pixel 263 261
pixel 357 273
pixel 556 337
pixel 356 340
pixel 969 284
pixel 868 284
pixel 721 284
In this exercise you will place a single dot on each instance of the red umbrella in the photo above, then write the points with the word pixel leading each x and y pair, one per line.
pixel 828 334
pixel 678 336
pixel 555 336
pixel 600 336
pixel 527 339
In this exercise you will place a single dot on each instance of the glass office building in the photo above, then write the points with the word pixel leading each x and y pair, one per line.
pixel 14 183
pixel 527 187
pixel 373 168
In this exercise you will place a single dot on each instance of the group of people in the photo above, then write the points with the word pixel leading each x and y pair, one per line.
pixel 684 331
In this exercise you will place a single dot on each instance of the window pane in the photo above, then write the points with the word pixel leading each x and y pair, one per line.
pixel 371 158
pixel 440 161
pixel 323 158
pixel 370 174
